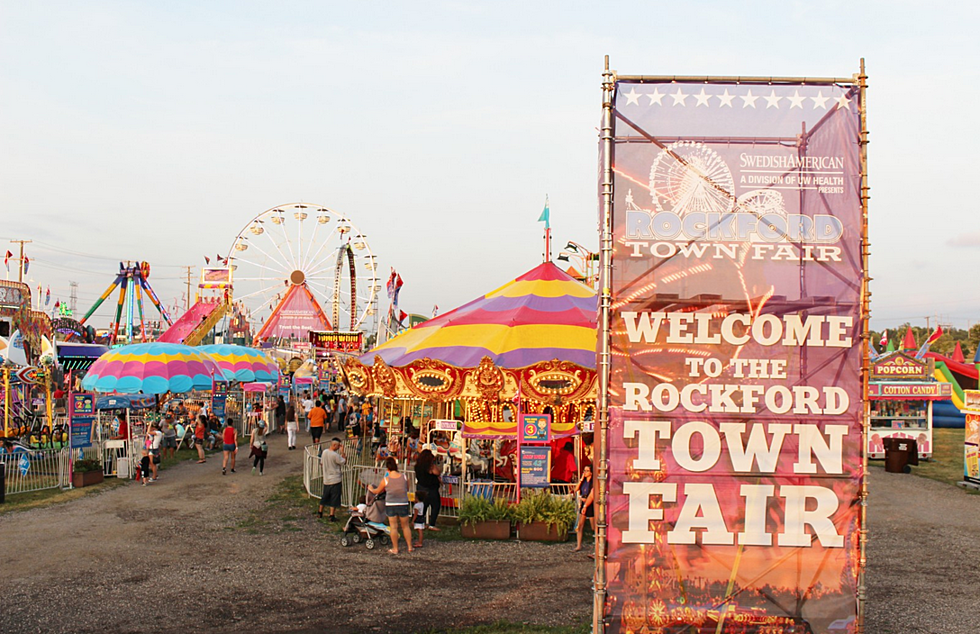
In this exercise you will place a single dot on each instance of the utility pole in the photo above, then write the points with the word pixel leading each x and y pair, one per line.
pixel 20 260
pixel 73 297
pixel 187 297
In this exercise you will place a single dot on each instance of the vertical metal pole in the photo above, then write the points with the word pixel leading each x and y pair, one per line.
pixel 865 361
pixel 605 255
pixel 6 402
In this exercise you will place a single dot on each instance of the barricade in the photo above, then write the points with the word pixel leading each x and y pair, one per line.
pixel 357 474
pixel 28 471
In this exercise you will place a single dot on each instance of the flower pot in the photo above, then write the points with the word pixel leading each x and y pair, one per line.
pixel 540 532
pixel 494 529
pixel 81 479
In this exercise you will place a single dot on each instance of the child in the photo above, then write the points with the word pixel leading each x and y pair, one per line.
pixel 145 467
pixel 418 516
pixel 361 507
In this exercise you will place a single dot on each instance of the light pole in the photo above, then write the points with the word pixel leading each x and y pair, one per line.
pixel 587 261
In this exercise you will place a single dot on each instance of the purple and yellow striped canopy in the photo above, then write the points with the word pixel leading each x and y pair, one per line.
pixel 152 368
pixel 243 364
pixel 544 314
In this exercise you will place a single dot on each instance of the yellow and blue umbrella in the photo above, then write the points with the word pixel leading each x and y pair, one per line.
pixel 244 364
pixel 152 368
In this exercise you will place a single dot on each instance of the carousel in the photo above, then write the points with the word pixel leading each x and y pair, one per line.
pixel 525 348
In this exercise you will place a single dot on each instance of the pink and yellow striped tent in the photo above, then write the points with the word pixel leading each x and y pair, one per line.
pixel 542 315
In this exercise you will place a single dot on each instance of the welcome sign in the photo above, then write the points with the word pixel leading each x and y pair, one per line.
pixel 735 424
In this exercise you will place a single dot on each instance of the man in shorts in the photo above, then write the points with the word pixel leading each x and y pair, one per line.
pixel 317 421
pixel 332 462
pixel 169 436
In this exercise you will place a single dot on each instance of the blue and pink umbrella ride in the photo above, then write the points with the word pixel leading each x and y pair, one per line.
pixel 156 368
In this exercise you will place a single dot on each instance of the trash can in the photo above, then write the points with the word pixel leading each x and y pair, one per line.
pixel 899 454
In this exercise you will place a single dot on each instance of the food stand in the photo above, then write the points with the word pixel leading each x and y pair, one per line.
pixel 120 456
pixel 902 390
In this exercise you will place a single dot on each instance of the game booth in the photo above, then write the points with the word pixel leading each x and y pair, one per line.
pixel 902 390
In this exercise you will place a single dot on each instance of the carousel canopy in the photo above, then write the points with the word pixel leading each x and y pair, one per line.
pixel 541 316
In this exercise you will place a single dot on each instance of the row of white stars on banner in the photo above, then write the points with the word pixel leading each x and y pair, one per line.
pixel 725 99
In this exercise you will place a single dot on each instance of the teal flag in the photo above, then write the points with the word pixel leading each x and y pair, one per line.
pixel 545 216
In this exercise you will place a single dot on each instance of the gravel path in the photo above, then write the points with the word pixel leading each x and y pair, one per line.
pixel 200 550
pixel 923 556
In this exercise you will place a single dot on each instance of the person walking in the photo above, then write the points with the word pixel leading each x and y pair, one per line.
pixel 169 436
pixel 200 433
pixel 154 440
pixel 396 504
pixel 259 448
pixel 331 466
pixel 427 479
pixel 229 437
pixel 317 420
pixel 585 495
pixel 292 426
pixel 307 404
pixel 281 415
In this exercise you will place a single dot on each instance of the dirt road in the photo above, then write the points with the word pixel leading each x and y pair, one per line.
pixel 198 549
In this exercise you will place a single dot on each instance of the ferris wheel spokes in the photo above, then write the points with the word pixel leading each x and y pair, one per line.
pixel 261 250
pixel 273 270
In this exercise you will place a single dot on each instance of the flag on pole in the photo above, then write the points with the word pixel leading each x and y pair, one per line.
pixel 398 287
pixel 390 287
pixel 6 260
pixel 207 260
pixel 435 311
pixel 47 296
pixel 545 216
pixel 27 263
pixel 884 339
pixel 932 338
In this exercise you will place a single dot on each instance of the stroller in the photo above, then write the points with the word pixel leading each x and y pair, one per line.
pixel 367 525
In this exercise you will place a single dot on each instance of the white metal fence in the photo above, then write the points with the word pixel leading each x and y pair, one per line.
pixel 28 471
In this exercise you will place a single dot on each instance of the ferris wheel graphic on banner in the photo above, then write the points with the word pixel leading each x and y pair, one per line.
pixel 307 252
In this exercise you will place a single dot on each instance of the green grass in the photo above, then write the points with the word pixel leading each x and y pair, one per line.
pixel 946 464
pixel 507 627
pixel 285 509
pixel 50 497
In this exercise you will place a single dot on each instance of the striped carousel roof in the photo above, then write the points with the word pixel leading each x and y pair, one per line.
pixel 544 314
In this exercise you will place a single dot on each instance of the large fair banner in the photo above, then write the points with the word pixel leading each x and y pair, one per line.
pixel 736 405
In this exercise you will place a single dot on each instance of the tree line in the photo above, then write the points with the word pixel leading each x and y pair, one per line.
pixel 969 339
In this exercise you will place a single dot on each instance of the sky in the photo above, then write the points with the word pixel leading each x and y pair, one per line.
pixel 155 131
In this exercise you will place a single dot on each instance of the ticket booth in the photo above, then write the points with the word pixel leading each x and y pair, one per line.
pixel 902 390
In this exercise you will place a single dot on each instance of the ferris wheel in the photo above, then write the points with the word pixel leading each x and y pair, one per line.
pixel 300 246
